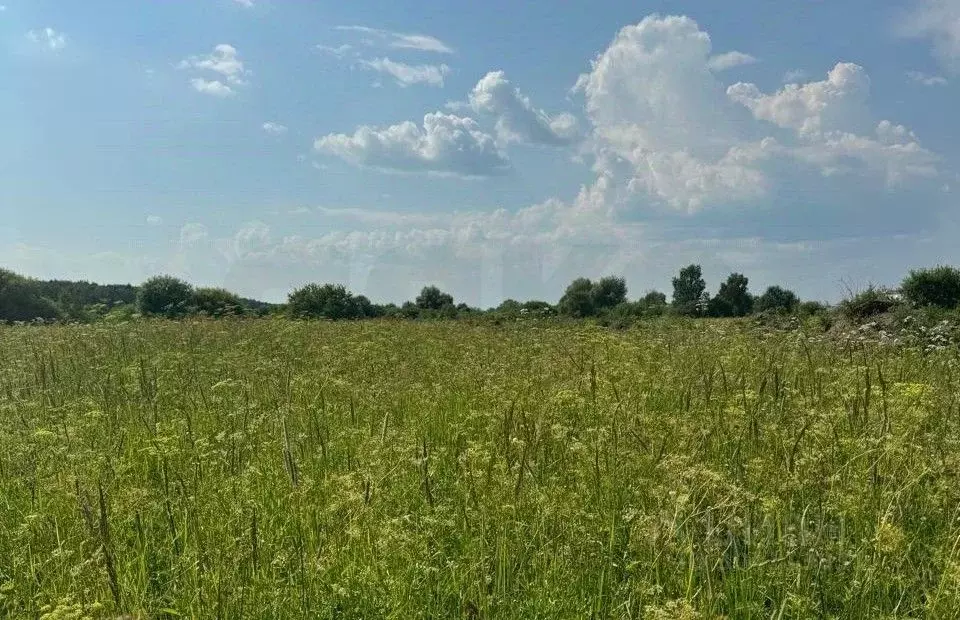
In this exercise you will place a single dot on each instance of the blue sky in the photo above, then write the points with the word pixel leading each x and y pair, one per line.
pixel 497 149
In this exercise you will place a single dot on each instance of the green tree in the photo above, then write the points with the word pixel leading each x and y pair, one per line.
pixel 329 301
pixel 608 293
pixel 939 286
pixel 653 303
pixel 733 298
pixel 20 299
pixel 217 302
pixel 164 296
pixel 777 299
pixel 689 291
pixel 432 298
pixel 578 299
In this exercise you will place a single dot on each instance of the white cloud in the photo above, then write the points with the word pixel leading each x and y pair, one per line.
pixel 729 60
pixel 399 40
pixel 444 144
pixel 154 220
pixel 273 128
pixel 663 126
pixel 246 3
pixel 517 118
pixel 192 233
pixel 407 75
pixel 813 107
pixel 923 79
pixel 225 62
pixel 339 51
pixel 48 38
pixel 211 87
pixel 666 131
pixel 938 21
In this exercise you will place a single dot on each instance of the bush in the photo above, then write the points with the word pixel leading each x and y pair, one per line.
pixel 164 296
pixel 777 299
pixel 733 298
pixel 939 286
pixel 328 301
pixel 217 302
pixel 578 299
pixel 608 293
pixel 868 303
pixel 20 300
pixel 432 298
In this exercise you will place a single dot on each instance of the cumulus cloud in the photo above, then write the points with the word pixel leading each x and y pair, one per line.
pixel 729 60
pixel 407 75
pixel 275 129
pixel 399 40
pixel 938 21
pixel 224 61
pixel 517 118
pixel 445 144
pixel 666 131
pixel 48 38
pixel 918 77
pixel 813 107
pixel 211 87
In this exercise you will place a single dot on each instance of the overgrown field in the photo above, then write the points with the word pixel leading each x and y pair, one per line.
pixel 273 469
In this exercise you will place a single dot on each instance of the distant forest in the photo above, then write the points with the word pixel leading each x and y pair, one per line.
pixel 24 299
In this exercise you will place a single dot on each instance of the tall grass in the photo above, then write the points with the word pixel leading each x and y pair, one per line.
pixel 272 469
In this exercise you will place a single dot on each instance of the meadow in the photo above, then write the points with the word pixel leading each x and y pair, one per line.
pixel 283 469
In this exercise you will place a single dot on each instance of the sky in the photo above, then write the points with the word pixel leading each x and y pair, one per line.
pixel 495 149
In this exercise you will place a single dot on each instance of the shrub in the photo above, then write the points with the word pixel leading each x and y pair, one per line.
pixel 870 302
pixel 608 292
pixel 20 299
pixel 733 298
pixel 329 301
pixel 432 298
pixel 939 286
pixel 777 299
pixel 578 299
pixel 164 296
pixel 217 302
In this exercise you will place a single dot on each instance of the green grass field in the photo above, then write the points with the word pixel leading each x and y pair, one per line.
pixel 275 469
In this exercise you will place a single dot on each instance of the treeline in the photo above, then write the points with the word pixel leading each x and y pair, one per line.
pixel 605 300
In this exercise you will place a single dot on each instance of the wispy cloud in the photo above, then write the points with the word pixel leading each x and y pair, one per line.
pixel 246 3
pixel 729 60
pixel 794 75
pixel 339 51
pixel 918 77
pixel 48 38
pixel 407 75
pixel 938 21
pixel 399 40
pixel 275 129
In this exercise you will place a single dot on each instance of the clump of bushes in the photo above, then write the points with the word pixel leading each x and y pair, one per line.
pixel 868 303
pixel 328 301
pixel 938 287
pixel 20 300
